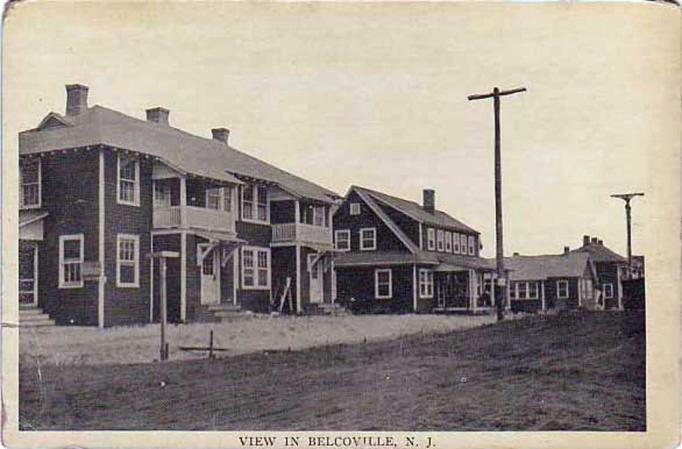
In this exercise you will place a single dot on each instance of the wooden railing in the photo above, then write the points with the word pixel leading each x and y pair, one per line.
pixel 186 217
pixel 300 232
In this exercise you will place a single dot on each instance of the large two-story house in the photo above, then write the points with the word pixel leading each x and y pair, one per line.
pixel 396 255
pixel 101 190
pixel 612 269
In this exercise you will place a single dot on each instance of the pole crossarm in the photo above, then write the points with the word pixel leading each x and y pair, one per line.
pixel 496 92
pixel 627 196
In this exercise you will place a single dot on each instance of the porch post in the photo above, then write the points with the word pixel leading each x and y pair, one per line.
pixel 101 217
pixel 472 290
pixel 414 287
pixel 35 274
pixel 542 295
pixel 492 290
pixel 298 275
pixel 183 202
pixel 297 212
pixel 183 275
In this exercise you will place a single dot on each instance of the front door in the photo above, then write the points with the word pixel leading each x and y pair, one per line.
pixel 315 280
pixel 210 278
pixel 28 274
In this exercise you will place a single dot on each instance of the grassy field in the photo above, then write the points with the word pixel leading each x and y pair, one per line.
pixel 574 371
pixel 240 335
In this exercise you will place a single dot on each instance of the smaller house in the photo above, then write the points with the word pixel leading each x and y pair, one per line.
pixel 563 281
pixel 611 269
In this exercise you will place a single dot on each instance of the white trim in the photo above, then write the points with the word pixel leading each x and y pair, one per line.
pixel 254 201
pixel 62 239
pixel 336 239
pixel 101 243
pixel 221 198
pixel 429 282
pixel 374 239
pixel 136 185
pixel 431 239
pixel 455 243
pixel 471 240
pixel 448 241
pixel 354 208
pixel 527 296
pixel 256 250
pixel 414 287
pixel 333 281
pixel 376 283
pixel 23 206
pixel 463 244
pixel 421 236
pixel 298 279
pixel 136 261
pixel 558 289
pixel 183 270
pixel 440 240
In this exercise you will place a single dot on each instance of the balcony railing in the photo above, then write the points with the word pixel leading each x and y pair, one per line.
pixel 185 217
pixel 302 233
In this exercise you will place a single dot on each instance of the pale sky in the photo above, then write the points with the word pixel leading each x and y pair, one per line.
pixel 375 95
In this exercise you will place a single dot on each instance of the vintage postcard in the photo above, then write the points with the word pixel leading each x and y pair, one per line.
pixel 353 225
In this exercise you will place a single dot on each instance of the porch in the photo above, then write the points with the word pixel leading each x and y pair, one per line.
pixel 463 290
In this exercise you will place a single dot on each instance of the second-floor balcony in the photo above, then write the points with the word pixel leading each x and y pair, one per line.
pixel 301 233
pixel 192 217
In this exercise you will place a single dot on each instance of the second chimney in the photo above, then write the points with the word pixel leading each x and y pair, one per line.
pixel 221 134
pixel 76 99
pixel 586 240
pixel 158 115
pixel 600 242
pixel 429 200
pixel 595 240
pixel 567 249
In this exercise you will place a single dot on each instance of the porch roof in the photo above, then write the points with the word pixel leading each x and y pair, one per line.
pixel 439 260
pixel 29 216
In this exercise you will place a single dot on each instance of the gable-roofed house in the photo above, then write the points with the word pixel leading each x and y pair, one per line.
pixel 556 281
pixel 611 268
pixel 399 256
pixel 100 190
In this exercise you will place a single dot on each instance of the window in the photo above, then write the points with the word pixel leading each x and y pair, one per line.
pixel 472 245
pixel 71 261
pixel 342 239
pixel 219 199
pixel 532 290
pixel 521 290
pixel 255 205
pixel 562 289
pixel 383 285
pixel 586 286
pixel 128 261
pixel 355 208
pixel 29 178
pixel 448 242
pixel 608 291
pixel 430 239
pixel 455 243
pixel 162 195
pixel 255 267
pixel 525 290
pixel 318 216
pixel 463 244
pixel 368 239
pixel 440 237
pixel 128 180
pixel 425 283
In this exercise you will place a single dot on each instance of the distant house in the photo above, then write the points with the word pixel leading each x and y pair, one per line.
pixel 611 270
pixel 100 190
pixel 396 255
pixel 563 281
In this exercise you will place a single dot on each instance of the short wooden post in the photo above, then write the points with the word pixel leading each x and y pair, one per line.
pixel 162 256
pixel 210 345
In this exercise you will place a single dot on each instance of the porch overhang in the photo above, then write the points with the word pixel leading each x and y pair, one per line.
pixel 227 244
pixel 31 225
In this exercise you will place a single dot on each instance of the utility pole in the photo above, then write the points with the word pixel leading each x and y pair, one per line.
pixel 501 280
pixel 628 219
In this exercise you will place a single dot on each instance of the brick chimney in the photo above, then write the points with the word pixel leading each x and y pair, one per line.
pixel 600 242
pixel 76 99
pixel 221 134
pixel 595 240
pixel 567 249
pixel 429 200
pixel 586 240
pixel 158 115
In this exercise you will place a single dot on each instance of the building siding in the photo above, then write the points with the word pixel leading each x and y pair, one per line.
pixel 358 283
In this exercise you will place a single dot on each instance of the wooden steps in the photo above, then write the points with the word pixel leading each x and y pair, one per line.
pixel 33 316
pixel 325 309
pixel 214 313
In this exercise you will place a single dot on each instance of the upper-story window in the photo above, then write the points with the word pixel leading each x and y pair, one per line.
pixel 162 194
pixel 318 216
pixel 462 244
pixel 219 199
pixel 440 240
pixel 448 242
pixel 29 177
pixel 255 205
pixel 355 208
pixel 314 215
pixel 430 239
pixel 342 239
pixel 608 290
pixel 455 242
pixel 472 245
pixel 128 180
pixel 368 239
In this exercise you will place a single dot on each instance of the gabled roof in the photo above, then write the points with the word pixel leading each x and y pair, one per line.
pixel 416 211
pixel 599 253
pixel 187 152
pixel 524 268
